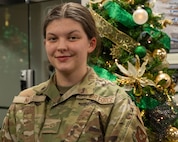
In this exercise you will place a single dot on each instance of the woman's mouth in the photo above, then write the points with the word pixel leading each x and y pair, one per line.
pixel 62 58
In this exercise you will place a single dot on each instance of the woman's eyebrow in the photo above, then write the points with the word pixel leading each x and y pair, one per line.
pixel 74 31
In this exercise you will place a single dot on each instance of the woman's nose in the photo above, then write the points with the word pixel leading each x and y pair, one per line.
pixel 61 45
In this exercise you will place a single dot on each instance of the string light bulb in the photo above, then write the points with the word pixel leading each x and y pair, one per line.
pixel 7 17
pixel 140 16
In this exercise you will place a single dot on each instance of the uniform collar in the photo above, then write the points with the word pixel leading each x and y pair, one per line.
pixel 84 87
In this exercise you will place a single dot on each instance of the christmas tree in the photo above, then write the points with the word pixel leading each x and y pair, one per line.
pixel 132 53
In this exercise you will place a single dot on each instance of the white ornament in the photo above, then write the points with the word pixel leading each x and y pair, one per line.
pixel 140 16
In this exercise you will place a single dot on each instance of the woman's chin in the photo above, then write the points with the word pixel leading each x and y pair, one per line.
pixel 64 69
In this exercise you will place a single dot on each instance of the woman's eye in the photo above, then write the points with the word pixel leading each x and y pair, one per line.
pixel 52 39
pixel 73 38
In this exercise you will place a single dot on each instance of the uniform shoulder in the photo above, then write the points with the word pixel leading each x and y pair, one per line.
pixel 107 88
pixel 34 90
pixel 32 94
pixel 104 91
pixel 106 84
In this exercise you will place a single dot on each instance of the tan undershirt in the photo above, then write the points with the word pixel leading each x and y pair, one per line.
pixel 63 90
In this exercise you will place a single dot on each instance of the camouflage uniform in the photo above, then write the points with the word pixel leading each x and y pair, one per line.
pixel 94 110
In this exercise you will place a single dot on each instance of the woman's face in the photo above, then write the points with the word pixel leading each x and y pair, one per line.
pixel 67 45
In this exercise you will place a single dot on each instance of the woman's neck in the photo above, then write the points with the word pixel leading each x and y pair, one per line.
pixel 69 79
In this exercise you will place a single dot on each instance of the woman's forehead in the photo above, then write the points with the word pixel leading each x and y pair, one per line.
pixel 64 25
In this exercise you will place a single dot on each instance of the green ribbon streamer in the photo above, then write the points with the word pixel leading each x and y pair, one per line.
pixel 116 12
pixel 103 73
pixel 160 36
pixel 145 102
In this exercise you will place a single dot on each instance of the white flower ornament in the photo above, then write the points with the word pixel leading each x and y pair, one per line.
pixel 134 75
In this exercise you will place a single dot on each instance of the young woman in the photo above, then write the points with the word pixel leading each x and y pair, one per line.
pixel 74 105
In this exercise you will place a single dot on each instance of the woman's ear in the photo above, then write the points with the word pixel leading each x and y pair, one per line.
pixel 92 46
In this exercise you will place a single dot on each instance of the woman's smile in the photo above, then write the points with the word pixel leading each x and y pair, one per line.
pixel 63 58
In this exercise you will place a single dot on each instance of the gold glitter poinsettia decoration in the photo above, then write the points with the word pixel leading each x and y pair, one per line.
pixel 134 76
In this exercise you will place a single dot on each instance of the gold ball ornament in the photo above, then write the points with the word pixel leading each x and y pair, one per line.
pixel 172 134
pixel 160 53
pixel 163 77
